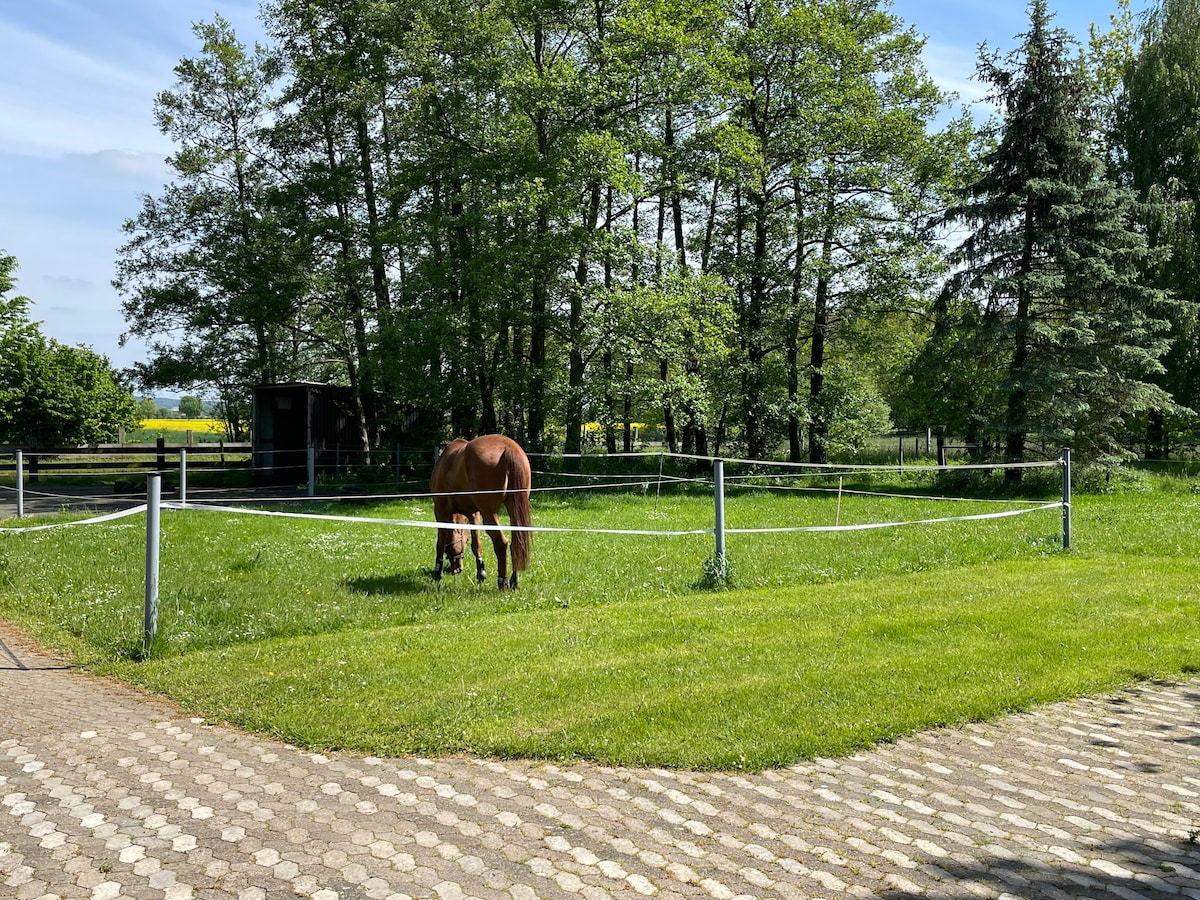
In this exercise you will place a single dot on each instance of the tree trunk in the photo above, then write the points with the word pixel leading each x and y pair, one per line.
pixel 756 436
pixel 379 281
pixel 535 423
pixel 792 337
pixel 575 371
pixel 818 423
pixel 1017 413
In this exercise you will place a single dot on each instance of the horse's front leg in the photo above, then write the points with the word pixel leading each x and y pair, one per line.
pixel 441 551
pixel 480 569
pixel 500 546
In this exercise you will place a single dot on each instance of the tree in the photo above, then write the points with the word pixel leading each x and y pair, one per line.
pixel 191 407
pixel 1054 261
pixel 210 275
pixel 451 204
pixel 832 183
pixel 1158 139
pixel 52 394
pixel 146 408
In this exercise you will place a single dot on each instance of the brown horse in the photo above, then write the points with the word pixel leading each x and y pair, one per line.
pixel 475 478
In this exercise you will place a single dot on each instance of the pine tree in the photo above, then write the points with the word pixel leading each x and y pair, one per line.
pixel 1054 260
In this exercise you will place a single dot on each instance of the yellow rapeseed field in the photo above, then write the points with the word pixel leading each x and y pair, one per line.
pixel 199 426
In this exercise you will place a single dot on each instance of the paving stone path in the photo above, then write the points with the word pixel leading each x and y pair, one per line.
pixel 106 793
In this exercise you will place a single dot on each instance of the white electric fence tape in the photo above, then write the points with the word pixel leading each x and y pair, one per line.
pixel 834 468
pixel 624 531
pixel 204 506
pixel 93 521
pixel 426 523
pixel 864 527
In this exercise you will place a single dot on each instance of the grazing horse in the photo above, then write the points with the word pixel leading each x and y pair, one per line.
pixel 474 479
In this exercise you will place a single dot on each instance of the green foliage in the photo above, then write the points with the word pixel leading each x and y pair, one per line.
pixel 1157 147
pixel 191 407
pixel 523 218
pixel 852 408
pixel 51 394
pixel 1051 276
pixel 211 268
pixel 452 210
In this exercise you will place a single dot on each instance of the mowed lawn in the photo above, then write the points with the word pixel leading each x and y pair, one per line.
pixel 331 635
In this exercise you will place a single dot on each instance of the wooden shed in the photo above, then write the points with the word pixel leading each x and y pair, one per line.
pixel 289 418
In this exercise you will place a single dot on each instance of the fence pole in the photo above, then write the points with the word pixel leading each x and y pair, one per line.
pixel 1066 497
pixel 183 476
pixel 312 470
pixel 20 485
pixel 719 512
pixel 150 614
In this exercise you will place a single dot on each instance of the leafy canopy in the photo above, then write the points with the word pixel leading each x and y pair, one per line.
pixel 53 394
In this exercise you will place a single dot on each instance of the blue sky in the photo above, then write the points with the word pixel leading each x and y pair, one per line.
pixel 78 146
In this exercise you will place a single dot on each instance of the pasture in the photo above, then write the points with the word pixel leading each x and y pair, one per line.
pixel 332 635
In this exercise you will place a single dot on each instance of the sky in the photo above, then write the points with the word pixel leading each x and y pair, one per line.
pixel 78 144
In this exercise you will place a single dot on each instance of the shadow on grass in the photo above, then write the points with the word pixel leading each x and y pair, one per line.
pixel 404 583
pixel 1155 869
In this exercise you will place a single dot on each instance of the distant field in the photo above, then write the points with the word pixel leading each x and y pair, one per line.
pixel 175 431
pixel 200 426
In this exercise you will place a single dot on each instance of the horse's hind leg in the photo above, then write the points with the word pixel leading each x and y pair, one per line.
pixel 480 569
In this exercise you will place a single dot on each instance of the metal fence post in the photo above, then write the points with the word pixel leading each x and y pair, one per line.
pixel 1066 497
pixel 150 613
pixel 20 485
pixel 312 470
pixel 183 476
pixel 719 512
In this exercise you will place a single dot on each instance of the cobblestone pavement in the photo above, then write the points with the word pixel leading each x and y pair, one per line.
pixel 106 793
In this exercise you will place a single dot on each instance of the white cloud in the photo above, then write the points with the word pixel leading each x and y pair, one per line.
pixel 78 145
pixel 953 68
pixel 67 283
pixel 135 163
pixel 56 99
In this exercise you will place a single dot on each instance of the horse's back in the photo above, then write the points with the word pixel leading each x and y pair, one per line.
pixel 486 452
pixel 490 464
pixel 450 459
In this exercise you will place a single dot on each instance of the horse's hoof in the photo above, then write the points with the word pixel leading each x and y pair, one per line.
pixel 512 582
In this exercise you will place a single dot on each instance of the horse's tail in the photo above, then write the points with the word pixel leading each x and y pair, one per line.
pixel 517 502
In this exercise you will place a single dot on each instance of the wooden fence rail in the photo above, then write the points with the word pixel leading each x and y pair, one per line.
pixel 117 458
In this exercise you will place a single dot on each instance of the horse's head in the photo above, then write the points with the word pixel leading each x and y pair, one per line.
pixel 457 548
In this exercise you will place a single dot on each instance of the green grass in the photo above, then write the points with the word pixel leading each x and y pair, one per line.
pixel 332 635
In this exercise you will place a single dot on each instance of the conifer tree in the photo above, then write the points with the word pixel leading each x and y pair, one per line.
pixel 1053 261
